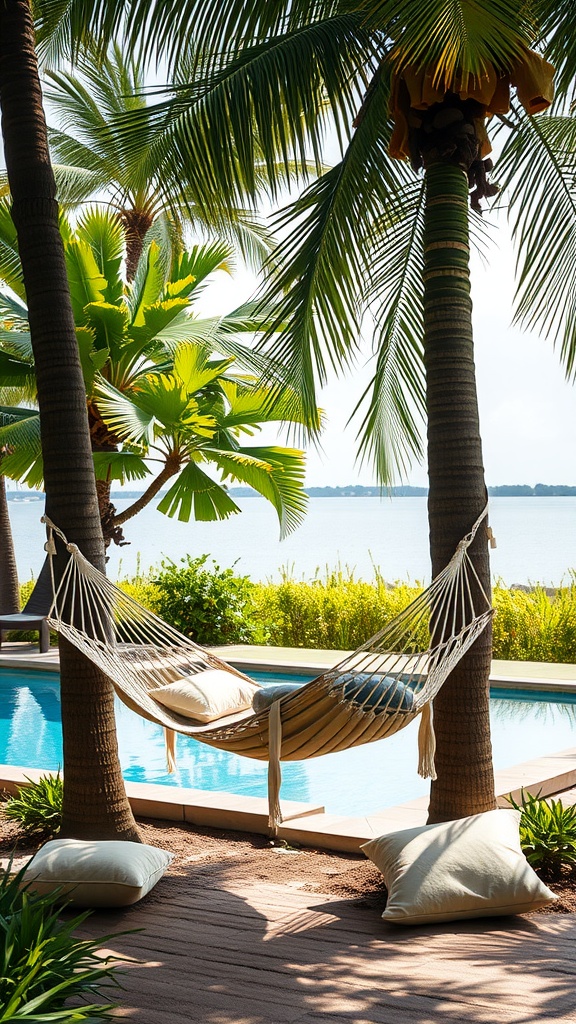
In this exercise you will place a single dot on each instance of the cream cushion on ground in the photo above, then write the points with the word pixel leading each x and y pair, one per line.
pixel 473 867
pixel 206 696
pixel 97 873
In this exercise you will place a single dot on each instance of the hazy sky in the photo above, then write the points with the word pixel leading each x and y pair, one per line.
pixel 527 409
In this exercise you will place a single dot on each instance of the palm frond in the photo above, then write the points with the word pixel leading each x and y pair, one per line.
pixel 196 494
pixel 76 185
pixel 267 109
pixel 123 466
pixel 14 372
pixel 457 37
pixel 539 167
pixel 276 473
pixel 125 417
pixel 13 311
pixel 10 267
pixel 557 33
pixel 390 433
pixel 322 267
pixel 21 438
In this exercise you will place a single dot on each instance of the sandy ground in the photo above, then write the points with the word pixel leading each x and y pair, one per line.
pixel 210 857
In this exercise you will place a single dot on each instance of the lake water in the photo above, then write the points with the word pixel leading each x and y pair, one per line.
pixel 536 539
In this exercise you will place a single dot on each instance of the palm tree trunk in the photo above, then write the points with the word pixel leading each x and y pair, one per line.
pixel 9 589
pixel 95 804
pixel 465 783
pixel 136 223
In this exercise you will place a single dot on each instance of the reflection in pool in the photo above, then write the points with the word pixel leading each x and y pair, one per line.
pixel 524 725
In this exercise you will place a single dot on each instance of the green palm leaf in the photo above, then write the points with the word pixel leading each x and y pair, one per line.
pixel 84 276
pixel 22 439
pixel 147 285
pixel 14 372
pixel 539 165
pixel 123 466
pixel 457 36
pixel 103 233
pixel 276 473
pixel 320 68
pixel 322 268
pixel 130 421
pixel 10 269
pixel 195 494
pixel 390 433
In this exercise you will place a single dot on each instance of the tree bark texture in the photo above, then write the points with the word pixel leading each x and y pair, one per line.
pixel 457 495
pixel 95 804
pixel 9 588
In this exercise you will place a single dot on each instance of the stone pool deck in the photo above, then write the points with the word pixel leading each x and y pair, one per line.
pixel 308 824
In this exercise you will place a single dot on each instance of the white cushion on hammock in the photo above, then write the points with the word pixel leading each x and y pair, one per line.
pixel 206 696
pixel 472 867
pixel 97 873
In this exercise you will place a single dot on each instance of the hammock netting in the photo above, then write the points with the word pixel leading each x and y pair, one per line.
pixel 370 694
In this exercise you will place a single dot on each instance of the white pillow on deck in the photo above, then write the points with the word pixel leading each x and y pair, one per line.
pixel 472 867
pixel 94 873
pixel 206 696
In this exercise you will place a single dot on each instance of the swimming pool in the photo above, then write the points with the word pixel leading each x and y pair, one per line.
pixel 525 724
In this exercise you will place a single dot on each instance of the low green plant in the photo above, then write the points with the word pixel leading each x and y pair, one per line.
pixel 209 604
pixel 547 834
pixel 142 589
pixel 42 963
pixel 37 807
pixel 335 611
pixel 535 625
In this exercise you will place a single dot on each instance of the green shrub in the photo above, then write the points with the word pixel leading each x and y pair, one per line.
pixel 210 605
pixel 547 835
pixel 336 612
pixel 42 963
pixel 38 806
pixel 142 589
pixel 534 625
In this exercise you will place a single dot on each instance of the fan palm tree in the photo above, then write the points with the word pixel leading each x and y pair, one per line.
pixel 375 234
pixel 158 400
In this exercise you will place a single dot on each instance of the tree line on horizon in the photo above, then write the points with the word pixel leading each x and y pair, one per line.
pixel 363 491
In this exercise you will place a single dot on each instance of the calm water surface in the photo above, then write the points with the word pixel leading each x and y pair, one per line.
pixel 536 539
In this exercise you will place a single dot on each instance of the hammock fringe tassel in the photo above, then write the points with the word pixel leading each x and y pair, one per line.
pixel 274 769
pixel 426 743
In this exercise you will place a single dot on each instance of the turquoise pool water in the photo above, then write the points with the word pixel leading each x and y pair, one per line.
pixel 525 724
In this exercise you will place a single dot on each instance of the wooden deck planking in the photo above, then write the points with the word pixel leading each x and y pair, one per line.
pixel 262 954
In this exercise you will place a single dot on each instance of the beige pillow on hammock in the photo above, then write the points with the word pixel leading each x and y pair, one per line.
pixel 206 696
pixel 472 867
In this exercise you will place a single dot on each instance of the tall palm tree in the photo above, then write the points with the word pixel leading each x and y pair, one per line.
pixel 374 234
pixel 94 157
pixel 95 802
pixel 159 402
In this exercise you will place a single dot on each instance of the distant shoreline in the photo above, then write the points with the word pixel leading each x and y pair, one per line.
pixel 359 491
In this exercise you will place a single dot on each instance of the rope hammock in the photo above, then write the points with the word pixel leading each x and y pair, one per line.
pixel 372 693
